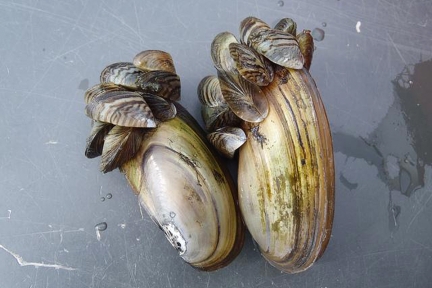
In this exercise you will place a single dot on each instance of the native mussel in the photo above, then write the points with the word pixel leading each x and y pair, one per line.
pixel 264 101
pixel 164 154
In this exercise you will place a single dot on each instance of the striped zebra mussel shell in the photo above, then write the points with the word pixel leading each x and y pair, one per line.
pixel 250 27
pixel 122 108
pixel 159 82
pixel 120 145
pixel 245 99
pixel 96 139
pixel 209 92
pixel 100 89
pixel 252 66
pixel 150 60
pixel 227 140
pixel 161 108
pixel 218 117
pixel 278 46
pixel 307 47
pixel 220 52
pixel 287 25
pixel 122 73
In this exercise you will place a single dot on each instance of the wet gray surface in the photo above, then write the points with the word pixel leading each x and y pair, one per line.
pixel 372 67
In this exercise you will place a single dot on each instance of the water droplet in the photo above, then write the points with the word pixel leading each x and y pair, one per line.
pixel 101 226
pixel 102 199
pixel 280 3
pixel 109 196
pixel 172 214
pixel 410 82
pixel 324 24
pixel 318 34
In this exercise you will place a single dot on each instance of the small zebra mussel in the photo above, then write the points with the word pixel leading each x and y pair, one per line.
pixel 278 123
pixel 138 127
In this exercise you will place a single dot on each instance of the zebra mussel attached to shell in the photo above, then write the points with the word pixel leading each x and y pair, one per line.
pixel 286 170
pixel 166 158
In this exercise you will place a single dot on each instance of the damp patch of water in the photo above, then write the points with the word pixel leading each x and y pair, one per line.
pixel 318 34
pixel 351 186
pixel 400 146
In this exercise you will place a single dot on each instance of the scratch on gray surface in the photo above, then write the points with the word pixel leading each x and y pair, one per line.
pixel 396 48
pixel 169 282
pixel 257 10
pixel 128 264
pixel 23 263
pixel 422 245
pixel 49 232
pixel 208 279
pixel 137 19
pixel 178 18
pixel 140 208
pixel 126 25
pixel 419 211
pixel 94 39
pixel 45 73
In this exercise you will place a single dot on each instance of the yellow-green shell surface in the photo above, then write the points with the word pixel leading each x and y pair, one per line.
pixel 286 174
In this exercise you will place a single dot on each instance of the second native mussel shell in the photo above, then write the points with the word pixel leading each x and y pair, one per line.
pixel 286 166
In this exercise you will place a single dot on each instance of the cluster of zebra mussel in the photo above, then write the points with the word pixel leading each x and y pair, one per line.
pixel 130 96
pixel 179 179
pixel 234 95
pixel 264 102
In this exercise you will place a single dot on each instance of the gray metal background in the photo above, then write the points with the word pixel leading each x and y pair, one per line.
pixel 50 194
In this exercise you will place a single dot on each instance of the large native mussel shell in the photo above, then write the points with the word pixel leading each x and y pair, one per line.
pixel 165 156
pixel 286 169
pixel 286 174
pixel 187 192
